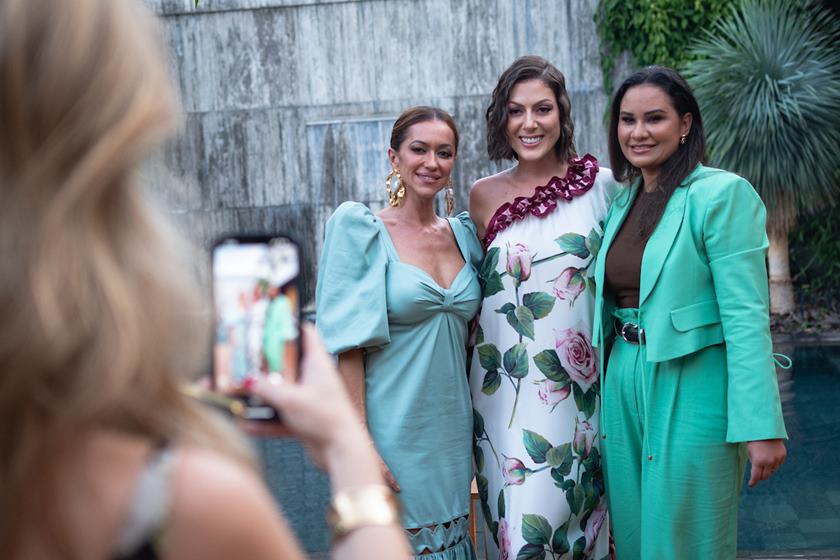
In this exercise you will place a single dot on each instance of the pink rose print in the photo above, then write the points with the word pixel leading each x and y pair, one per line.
pixel 583 438
pixel 519 262
pixel 504 540
pixel 514 471
pixel 577 357
pixel 594 524
pixel 569 285
pixel 552 392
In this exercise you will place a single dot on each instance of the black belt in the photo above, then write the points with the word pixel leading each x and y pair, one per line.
pixel 630 332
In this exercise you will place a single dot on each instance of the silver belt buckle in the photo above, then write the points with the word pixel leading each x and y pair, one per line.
pixel 639 333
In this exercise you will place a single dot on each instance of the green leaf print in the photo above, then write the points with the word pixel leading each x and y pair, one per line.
pixel 531 552
pixel 593 462
pixel 493 285
pixel 492 382
pixel 578 549
pixel 585 401
pixel 516 361
pixel 575 497
pixel 501 503
pixel 482 485
pixel 491 281
pixel 590 284
pixel 574 244
pixel 561 458
pixel 593 243
pixel 506 308
pixel 549 364
pixel 478 456
pixel 488 265
pixel 489 356
pixel 478 424
pixel 540 303
pixel 536 445
pixel 560 539
pixel 564 483
pixel 536 529
pixel 488 519
pixel 522 321
pixel 479 336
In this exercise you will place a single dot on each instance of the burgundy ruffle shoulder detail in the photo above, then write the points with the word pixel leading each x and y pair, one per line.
pixel 579 178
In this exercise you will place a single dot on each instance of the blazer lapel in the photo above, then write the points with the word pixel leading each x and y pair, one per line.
pixel 617 214
pixel 660 242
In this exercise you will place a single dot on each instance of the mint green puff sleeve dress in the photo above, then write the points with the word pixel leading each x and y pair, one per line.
pixel 414 334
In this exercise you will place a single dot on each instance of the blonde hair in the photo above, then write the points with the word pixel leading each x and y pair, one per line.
pixel 98 322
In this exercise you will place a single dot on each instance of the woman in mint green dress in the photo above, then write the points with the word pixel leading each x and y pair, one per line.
pixel 396 292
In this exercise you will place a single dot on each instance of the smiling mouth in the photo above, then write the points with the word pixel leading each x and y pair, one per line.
pixel 427 178
pixel 641 148
pixel 530 140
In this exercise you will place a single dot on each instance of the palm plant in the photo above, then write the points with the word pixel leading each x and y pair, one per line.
pixel 768 81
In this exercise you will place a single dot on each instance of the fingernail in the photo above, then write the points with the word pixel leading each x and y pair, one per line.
pixel 275 378
pixel 249 383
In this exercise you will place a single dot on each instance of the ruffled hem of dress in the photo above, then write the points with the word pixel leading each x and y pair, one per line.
pixel 579 178
pixel 462 551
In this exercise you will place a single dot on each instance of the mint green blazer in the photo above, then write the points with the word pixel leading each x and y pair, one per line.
pixel 704 282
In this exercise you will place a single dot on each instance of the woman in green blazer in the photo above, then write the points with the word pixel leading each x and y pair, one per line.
pixel 681 303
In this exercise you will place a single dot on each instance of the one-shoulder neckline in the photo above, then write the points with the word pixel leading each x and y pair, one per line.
pixel 395 256
pixel 579 178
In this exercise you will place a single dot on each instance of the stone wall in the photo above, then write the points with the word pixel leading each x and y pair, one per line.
pixel 289 103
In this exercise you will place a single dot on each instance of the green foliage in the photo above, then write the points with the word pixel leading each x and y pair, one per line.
pixel 654 31
pixel 768 82
pixel 815 257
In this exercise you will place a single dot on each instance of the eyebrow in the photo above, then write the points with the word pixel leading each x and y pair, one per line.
pixel 651 112
pixel 425 144
pixel 545 100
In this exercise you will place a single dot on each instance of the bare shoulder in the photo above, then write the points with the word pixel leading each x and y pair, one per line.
pixel 486 195
pixel 228 506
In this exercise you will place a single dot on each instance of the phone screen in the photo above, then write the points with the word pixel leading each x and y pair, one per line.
pixel 257 307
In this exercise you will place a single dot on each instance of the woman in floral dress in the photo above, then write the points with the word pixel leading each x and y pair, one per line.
pixel 534 375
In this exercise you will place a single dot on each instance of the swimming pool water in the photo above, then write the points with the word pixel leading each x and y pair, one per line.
pixel 799 507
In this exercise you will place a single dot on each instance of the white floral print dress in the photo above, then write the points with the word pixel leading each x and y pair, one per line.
pixel 534 374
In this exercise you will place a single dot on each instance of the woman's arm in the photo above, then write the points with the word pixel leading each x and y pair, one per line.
pixel 351 364
pixel 736 242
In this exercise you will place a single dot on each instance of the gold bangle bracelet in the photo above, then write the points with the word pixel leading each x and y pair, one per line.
pixel 364 506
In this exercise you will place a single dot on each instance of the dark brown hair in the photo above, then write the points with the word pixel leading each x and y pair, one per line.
pixel 523 69
pixel 682 162
pixel 419 114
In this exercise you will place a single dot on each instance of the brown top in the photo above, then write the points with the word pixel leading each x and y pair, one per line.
pixel 623 268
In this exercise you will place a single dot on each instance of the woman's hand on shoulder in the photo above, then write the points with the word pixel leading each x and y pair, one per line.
pixel 766 456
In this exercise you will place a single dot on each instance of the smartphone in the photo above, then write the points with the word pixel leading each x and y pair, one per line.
pixel 257 315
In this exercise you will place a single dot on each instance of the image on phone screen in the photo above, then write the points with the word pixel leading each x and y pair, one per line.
pixel 257 310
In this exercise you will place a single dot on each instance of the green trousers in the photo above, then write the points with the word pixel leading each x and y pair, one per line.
pixel 672 480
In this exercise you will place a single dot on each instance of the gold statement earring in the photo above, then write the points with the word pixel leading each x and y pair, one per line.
pixel 450 197
pixel 682 139
pixel 396 195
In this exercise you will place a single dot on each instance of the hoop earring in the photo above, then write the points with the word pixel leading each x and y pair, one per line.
pixel 682 139
pixel 450 197
pixel 396 196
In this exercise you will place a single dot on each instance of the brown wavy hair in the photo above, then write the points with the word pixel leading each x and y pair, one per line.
pixel 523 69
pixel 414 115
pixel 98 321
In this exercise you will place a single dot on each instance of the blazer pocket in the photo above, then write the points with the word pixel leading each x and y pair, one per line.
pixel 695 315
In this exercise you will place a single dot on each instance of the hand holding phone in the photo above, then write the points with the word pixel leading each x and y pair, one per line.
pixel 257 316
